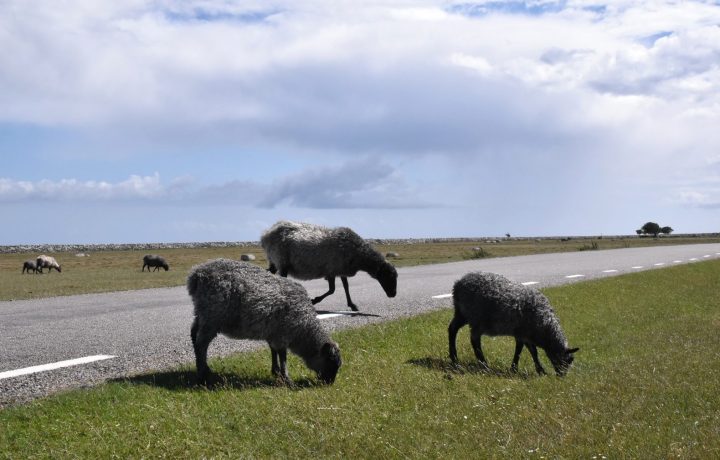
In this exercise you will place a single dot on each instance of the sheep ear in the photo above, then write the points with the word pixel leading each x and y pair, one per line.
pixel 572 350
pixel 329 349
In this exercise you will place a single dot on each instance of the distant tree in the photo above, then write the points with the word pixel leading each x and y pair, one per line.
pixel 507 235
pixel 651 228
pixel 639 231
pixel 666 230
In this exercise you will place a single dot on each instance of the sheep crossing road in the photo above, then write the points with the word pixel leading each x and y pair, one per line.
pixel 141 331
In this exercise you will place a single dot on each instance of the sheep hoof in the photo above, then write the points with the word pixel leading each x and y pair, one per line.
pixel 316 300
pixel 353 307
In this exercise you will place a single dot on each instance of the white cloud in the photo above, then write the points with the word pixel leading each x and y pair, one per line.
pixel 135 187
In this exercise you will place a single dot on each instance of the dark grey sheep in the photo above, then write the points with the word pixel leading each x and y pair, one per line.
pixel 48 262
pixel 244 301
pixel 307 251
pixel 494 305
pixel 29 266
pixel 157 262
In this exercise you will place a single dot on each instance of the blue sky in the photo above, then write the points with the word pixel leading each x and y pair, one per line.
pixel 147 121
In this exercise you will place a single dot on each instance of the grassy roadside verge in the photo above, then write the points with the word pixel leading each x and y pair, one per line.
pixel 645 386
pixel 120 270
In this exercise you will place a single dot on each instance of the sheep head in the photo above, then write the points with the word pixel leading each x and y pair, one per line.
pixel 327 363
pixel 562 360
pixel 387 277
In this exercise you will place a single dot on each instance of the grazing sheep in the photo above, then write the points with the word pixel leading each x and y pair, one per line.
pixel 307 251
pixel 494 305
pixel 29 265
pixel 244 301
pixel 48 262
pixel 152 260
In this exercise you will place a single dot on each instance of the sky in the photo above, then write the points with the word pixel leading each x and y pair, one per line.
pixel 209 120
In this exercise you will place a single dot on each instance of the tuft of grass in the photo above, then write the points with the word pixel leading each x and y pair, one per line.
pixel 476 253
pixel 644 385
pixel 593 246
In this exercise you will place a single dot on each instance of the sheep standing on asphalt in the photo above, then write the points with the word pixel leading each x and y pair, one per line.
pixel 306 251
pixel 157 262
pixel 244 301
pixel 48 262
pixel 29 265
pixel 494 305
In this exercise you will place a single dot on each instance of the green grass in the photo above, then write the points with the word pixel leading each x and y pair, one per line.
pixel 644 386
pixel 120 270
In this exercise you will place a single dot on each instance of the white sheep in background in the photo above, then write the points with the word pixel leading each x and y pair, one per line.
pixel 307 251
pixel 48 262
pixel 244 301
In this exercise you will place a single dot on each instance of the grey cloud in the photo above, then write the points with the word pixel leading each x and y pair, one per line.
pixel 365 183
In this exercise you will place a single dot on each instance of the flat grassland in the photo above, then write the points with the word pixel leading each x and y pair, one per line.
pixel 644 386
pixel 108 271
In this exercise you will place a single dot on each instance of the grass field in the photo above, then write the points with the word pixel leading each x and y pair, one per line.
pixel 644 386
pixel 120 270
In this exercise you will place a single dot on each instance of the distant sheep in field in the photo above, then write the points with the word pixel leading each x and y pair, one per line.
pixel 48 262
pixel 494 305
pixel 155 261
pixel 307 251
pixel 29 265
pixel 244 301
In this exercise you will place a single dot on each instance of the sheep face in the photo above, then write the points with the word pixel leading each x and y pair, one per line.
pixel 166 266
pixel 387 277
pixel 327 362
pixel 562 361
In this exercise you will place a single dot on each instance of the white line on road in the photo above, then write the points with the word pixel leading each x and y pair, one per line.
pixel 659 264
pixel 329 315
pixel 677 261
pixel 574 276
pixel 706 255
pixel 609 271
pixel 530 283
pixel 694 259
pixel 637 267
pixel 53 366
pixel 442 296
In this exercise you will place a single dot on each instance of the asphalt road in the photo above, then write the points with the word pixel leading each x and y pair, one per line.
pixel 149 330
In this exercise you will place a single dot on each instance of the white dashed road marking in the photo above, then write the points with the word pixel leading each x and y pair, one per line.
pixel 636 267
pixel 530 283
pixel 442 296
pixel 706 255
pixel 574 276
pixel 659 264
pixel 328 315
pixel 53 366
pixel 694 259
pixel 677 261
pixel 609 271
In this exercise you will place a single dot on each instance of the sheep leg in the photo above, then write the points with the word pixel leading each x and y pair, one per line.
pixel 272 268
pixel 475 334
pixel 331 289
pixel 516 359
pixel 534 353
pixel 201 341
pixel 350 303
pixel 279 364
pixel 455 325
